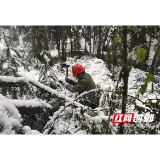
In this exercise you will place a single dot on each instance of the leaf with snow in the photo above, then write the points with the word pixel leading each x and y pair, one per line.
pixel 140 54
pixel 143 88
pixel 150 77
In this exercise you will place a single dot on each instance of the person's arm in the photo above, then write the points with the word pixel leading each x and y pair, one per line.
pixel 80 87
pixel 70 81
pixel 70 88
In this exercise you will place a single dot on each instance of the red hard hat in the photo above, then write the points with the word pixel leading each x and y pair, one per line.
pixel 76 69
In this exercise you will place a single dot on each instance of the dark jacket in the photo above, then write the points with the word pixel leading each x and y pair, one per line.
pixel 86 83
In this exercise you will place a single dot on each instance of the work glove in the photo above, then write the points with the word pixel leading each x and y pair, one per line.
pixel 70 81
pixel 68 87
pixel 65 84
pixel 67 79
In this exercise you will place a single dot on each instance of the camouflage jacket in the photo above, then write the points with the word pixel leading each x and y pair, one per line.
pixel 86 83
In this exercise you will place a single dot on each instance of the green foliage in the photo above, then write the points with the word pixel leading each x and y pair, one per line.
pixel 140 54
pixel 56 103
pixel 132 28
pixel 122 55
pixel 150 77
pixel 35 36
pixel 116 39
pixel 35 121
pixel 10 61
pixel 10 58
pixel 47 76
pixel 128 69
pixel 144 86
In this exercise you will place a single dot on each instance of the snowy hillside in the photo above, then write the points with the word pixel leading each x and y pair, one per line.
pixel 102 77
pixel 33 78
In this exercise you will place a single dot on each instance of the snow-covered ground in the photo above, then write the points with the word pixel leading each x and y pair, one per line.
pixel 101 76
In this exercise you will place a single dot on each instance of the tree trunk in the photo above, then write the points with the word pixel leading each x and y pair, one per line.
pixel 34 45
pixel 96 38
pixel 78 47
pixel 71 41
pixel 99 44
pixel 46 38
pixel 155 56
pixel 93 38
pixel 150 40
pixel 39 45
pixel 113 52
pixel 63 42
pixel 58 41
pixel 113 57
pixel 90 39
pixel 56 35
pixel 124 76
pixel 85 38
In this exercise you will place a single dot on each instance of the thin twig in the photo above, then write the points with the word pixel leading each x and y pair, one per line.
pixel 113 98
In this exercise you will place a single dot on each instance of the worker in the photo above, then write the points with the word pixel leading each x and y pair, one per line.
pixel 85 83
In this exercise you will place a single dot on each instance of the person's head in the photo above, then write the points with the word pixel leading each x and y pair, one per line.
pixel 79 76
pixel 77 71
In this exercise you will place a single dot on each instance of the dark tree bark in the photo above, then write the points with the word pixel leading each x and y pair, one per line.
pixel 93 38
pixel 124 75
pixel 63 42
pixel 38 38
pixel 71 41
pixel 56 34
pixel 150 40
pixel 114 50
pixel 46 38
pixel 85 38
pixel 99 44
pixel 33 37
pixel 89 39
pixel 78 45
pixel 155 56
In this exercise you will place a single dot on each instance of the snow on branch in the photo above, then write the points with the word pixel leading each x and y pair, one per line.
pixel 30 103
pixel 11 79
pixel 26 103
pixel 9 116
pixel 54 92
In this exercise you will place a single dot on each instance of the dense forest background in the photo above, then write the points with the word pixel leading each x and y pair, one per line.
pixel 95 40
pixel 41 105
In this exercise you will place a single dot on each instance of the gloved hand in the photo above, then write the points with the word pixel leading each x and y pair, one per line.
pixel 65 84
pixel 70 81
pixel 67 79
pixel 68 87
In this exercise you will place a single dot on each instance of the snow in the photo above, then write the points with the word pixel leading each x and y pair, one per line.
pixel 10 117
pixel 101 75
pixel 50 90
pixel 30 103
pixel 27 130
pixel 12 79
pixel 54 53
